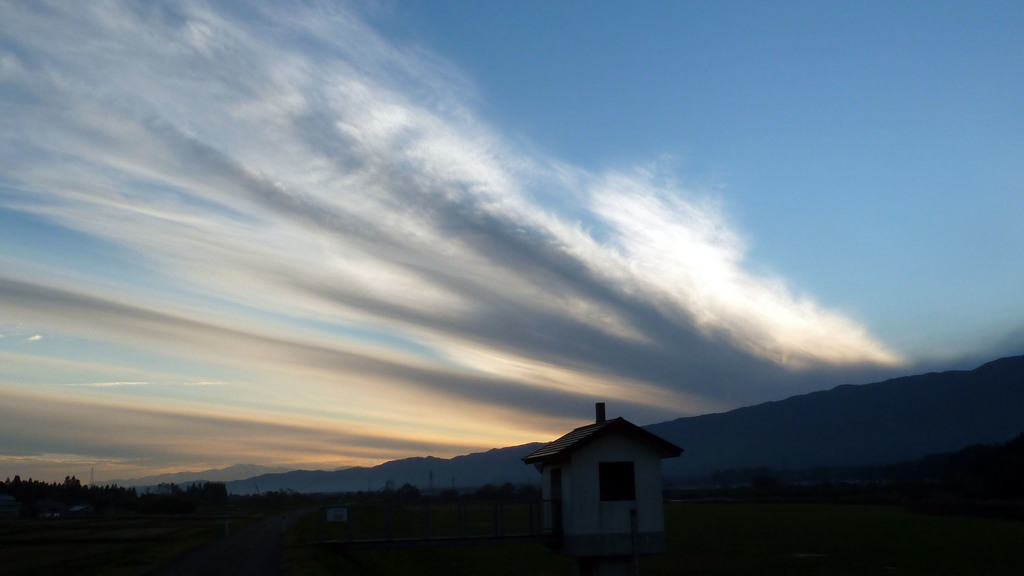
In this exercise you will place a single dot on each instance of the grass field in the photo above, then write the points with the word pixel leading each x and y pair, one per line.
pixel 703 539
pixel 494 560
pixel 735 539
pixel 835 540
pixel 109 546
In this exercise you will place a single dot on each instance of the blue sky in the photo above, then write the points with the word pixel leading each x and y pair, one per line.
pixel 848 142
pixel 330 234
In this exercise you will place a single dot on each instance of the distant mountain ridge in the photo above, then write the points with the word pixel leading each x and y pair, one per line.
pixel 495 466
pixel 851 425
pixel 854 425
pixel 215 475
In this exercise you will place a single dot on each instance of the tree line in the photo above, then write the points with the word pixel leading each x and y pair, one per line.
pixel 38 497
pixel 987 478
pixel 506 492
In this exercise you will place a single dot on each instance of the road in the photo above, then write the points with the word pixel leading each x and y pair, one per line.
pixel 256 550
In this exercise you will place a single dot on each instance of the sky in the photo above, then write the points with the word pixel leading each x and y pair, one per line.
pixel 326 234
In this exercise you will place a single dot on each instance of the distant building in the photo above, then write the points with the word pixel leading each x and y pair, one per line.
pixel 604 483
pixel 9 506
pixel 47 508
pixel 81 511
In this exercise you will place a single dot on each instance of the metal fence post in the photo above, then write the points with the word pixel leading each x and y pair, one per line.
pixel 634 537
pixel 320 527
pixel 461 512
pixel 425 510
pixel 349 519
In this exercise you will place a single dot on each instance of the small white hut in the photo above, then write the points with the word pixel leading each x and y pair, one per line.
pixel 604 483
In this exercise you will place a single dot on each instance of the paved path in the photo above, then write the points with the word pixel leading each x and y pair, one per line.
pixel 256 550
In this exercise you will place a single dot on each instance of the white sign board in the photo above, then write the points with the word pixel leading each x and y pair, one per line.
pixel 337 514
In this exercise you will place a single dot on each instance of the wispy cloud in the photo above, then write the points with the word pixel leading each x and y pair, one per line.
pixel 111 384
pixel 299 197
pixel 166 437
pixel 129 383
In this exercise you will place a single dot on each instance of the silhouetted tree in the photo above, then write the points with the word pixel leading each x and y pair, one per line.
pixel 70 492
pixel 506 491
pixel 408 493
pixel 987 471
pixel 448 495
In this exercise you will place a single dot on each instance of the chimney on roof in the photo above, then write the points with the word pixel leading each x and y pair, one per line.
pixel 600 412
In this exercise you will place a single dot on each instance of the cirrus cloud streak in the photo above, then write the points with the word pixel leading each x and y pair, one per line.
pixel 282 191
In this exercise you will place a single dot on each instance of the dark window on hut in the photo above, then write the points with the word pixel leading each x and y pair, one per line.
pixel 617 481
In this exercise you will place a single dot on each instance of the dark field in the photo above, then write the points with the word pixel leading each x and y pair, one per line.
pixel 704 539
pixel 109 546
pixel 732 539
pixel 819 539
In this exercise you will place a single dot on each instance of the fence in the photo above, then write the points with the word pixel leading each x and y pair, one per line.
pixel 393 524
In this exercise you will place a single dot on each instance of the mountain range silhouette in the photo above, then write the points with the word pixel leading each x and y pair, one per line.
pixel 850 425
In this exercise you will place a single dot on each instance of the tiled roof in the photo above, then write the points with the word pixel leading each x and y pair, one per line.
pixel 560 449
